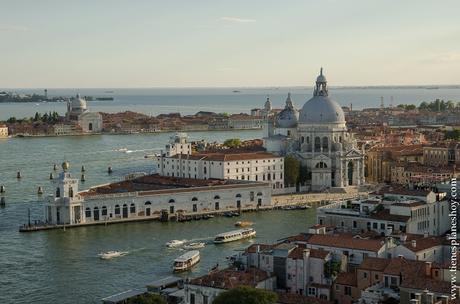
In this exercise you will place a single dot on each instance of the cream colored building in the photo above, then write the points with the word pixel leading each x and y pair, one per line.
pixel 89 122
pixel 3 131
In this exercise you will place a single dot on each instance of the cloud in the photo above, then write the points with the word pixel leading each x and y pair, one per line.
pixel 237 20
pixel 13 28
pixel 443 58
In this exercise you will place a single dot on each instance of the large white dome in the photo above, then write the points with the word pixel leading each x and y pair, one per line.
pixel 321 109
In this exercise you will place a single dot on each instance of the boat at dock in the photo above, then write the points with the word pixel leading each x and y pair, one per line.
pixel 243 224
pixel 186 261
pixel 195 245
pixel 175 243
pixel 234 235
pixel 111 254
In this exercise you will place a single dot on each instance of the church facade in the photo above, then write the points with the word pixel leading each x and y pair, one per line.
pixel 318 137
pixel 77 111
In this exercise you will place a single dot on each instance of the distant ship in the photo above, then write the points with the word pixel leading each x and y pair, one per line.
pixel 236 91
pixel 104 98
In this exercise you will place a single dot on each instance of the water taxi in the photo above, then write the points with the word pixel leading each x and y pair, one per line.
pixel 234 235
pixel 243 224
pixel 186 261
pixel 175 243
pixel 111 254
pixel 196 245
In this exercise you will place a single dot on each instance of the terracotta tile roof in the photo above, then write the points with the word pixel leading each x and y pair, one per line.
pixel 408 268
pixel 319 254
pixel 387 216
pixel 293 298
pixel 297 253
pixel 347 278
pixel 228 278
pixel 423 243
pixel 223 156
pixel 155 183
pixel 345 241
pixel 374 264
pixel 423 283
pixel 402 191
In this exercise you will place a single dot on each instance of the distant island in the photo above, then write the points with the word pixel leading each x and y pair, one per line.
pixel 11 97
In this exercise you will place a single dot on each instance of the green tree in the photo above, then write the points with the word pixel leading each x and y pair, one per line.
pixel 291 170
pixel 232 143
pixel 454 134
pixel 12 120
pixel 246 295
pixel 147 298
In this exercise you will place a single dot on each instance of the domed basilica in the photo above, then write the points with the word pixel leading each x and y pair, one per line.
pixel 77 111
pixel 317 136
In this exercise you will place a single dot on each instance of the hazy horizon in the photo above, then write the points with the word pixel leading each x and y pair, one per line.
pixel 228 44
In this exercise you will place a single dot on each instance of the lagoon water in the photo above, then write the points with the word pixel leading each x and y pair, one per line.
pixel 62 266
pixel 191 100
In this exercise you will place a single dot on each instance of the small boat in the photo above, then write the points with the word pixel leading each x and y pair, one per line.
pixel 186 261
pixel 175 243
pixel 111 254
pixel 288 208
pixel 196 245
pixel 121 150
pixel 208 216
pixel 234 235
pixel 303 207
pixel 243 224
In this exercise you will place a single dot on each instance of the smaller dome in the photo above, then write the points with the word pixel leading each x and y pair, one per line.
pixel 65 166
pixel 289 117
pixel 78 103
pixel 321 77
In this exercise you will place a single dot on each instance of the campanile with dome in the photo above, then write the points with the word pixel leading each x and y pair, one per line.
pixel 318 137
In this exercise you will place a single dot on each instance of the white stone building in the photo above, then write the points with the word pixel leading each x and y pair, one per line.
pixel 148 197
pixel 317 135
pixel 179 161
pixel 89 122
pixel 3 131
pixel 395 211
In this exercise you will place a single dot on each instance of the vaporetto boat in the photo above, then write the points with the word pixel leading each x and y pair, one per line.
pixel 234 235
pixel 186 261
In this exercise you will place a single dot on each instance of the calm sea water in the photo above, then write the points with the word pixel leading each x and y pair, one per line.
pixel 190 101
pixel 62 266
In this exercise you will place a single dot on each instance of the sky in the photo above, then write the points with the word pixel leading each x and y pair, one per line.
pixel 148 43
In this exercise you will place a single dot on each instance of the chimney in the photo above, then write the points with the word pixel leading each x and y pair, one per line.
pixel 403 237
pixel 428 269
pixel 425 234
pixel 414 243
pixel 306 253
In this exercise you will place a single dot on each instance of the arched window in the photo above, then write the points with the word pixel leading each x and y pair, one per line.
pixel 90 126
pixel 70 192
pixel 321 165
pixel 132 208
pixel 317 143
pixel 194 199
pixel 325 143
pixel 259 193
pixel 308 139
pixel 216 197
pixel 58 192
pixel 238 195
pixel 88 212
pixel 96 213
pixel 147 203
pixel 171 201
pixel 117 209
pixel 104 211
pixel 302 139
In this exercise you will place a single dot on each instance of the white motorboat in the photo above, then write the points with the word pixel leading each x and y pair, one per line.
pixel 111 254
pixel 186 261
pixel 234 235
pixel 175 243
pixel 196 245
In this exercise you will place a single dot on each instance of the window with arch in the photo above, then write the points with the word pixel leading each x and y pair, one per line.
pixel 259 194
pixel 96 213
pixel 58 192
pixel 171 201
pixel 216 197
pixel 308 139
pixel 132 208
pixel 70 192
pixel 104 210
pixel 117 209
pixel 317 143
pixel 325 143
pixel 321 165
pixel 194 199
pixel 88 212
pixel 302 139
pixel 238 195
pixel 147 203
